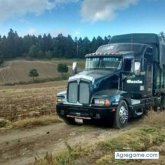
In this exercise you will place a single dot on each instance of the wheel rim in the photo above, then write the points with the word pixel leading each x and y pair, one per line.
pixel 123 114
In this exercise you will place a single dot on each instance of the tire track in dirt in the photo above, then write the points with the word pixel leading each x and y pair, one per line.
pixel 22 146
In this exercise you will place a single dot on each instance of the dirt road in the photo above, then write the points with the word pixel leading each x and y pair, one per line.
pixel 21 146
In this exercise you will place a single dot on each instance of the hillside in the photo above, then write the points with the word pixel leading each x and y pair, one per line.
pixel 17 70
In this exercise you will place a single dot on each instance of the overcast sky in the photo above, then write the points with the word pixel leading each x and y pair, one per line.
pixel 82 17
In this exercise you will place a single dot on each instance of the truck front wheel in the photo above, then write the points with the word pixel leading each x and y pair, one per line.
pixel 121 115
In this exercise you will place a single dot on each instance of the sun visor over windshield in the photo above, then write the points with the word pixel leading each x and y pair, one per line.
pixel 120 48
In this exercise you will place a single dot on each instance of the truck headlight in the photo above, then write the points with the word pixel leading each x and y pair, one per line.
pixel 60 99
pixel 102 102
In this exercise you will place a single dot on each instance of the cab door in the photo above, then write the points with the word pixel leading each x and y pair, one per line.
pixel 133 81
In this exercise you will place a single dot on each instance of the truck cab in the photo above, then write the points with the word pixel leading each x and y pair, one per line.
pixel 116 84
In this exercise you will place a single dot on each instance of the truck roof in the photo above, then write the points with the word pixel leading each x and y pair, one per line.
pixel 145 38
pixel 119 49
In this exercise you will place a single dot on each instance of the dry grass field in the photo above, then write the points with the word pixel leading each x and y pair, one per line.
pixel 17 70
pixel 29 101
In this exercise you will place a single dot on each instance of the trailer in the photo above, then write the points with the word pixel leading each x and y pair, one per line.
pixel 121 80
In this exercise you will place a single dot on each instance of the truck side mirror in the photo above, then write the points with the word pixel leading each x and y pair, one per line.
pixel 137 67
pixel 74 67
pixel 128 65
pixel 149 55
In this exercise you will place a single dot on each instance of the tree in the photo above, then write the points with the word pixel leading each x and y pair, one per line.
pixel 14 45
pixel 94 45
pixel 33 73
pixel 47 43
pixel 46 46
pixel 59 45
pixel 85 47
pixel 48 54
pixel 107 39
pixel 34 51
pixel 70 52
pixel 62 68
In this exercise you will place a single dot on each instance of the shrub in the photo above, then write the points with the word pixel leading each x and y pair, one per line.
pixel 62 68
pixel 33 73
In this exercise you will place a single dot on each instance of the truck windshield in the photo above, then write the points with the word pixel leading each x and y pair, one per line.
pixel 103 63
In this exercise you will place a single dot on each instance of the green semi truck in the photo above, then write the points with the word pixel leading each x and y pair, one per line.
pixel 121 80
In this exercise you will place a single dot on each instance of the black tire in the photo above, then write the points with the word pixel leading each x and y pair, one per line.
pixel 69 121
pixel 162 104
pixel 121 115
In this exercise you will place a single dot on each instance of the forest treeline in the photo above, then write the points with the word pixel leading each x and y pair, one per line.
pixel 45 46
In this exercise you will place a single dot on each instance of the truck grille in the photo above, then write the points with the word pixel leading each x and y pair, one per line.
pixel 84 93
pixel 78 92
pixel 73 92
